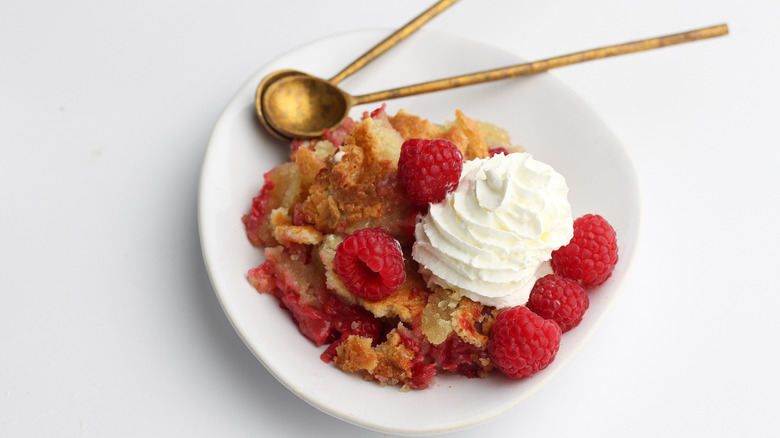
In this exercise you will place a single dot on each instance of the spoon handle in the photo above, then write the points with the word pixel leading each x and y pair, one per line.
pixel 392 40
pixel 543 65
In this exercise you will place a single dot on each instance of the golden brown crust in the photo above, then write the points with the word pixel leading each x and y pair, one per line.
pixel 413 126
pixel 464 132
pixel 356 354
pixel 309 165
pixel 287 234
pixel 389 362
pixel 395 358
pixel 347 192
pixel 476 146
pixel 405 305
pixel 303 234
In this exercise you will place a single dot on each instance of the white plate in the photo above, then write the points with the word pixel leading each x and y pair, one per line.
pixel 541 113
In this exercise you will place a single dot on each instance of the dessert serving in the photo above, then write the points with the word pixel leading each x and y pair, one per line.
pixel 409 249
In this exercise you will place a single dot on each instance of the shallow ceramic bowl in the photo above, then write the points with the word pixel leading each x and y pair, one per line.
pixel 551 121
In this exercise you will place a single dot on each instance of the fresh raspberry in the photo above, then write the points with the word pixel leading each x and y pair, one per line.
pixel 592 253
pixel 370 263
pixel 560 299
pixel 429 169
pixel 522 342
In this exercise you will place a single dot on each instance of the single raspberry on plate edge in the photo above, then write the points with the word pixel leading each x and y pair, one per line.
pixel 560 299
pixel 429 169
pixel 522 342
pixel 370 262
pixel 592 253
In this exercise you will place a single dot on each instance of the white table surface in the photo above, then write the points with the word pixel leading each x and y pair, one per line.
pixel 109 326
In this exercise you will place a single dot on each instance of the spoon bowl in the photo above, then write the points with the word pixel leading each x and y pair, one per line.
pixel 296 104
pixel 268 80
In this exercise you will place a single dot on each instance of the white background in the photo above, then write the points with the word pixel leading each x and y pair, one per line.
pixel 108 323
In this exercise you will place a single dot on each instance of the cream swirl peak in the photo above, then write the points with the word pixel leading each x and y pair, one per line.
pixel 490 237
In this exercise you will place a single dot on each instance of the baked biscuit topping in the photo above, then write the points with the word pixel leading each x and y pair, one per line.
pixel 347 181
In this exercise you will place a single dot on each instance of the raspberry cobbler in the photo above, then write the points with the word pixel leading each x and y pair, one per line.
pixel 368 245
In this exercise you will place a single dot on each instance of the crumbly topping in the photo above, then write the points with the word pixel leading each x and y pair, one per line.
pixel 288 234
pixel 463 132
pixel 347 192
pixel 437 315
pixel 467 322
pixel 356 354
pixel 390 362
pixel 447 312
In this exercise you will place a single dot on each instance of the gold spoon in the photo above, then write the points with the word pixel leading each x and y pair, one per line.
pixel 271 79
pixel 301 106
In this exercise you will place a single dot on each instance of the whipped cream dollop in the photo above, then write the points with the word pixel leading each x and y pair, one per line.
pixel 490 239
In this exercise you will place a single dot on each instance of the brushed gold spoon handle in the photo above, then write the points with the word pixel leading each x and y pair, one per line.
pixel 543 65
pixel 392 40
